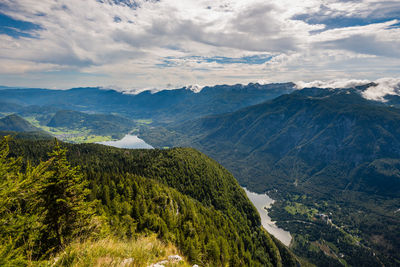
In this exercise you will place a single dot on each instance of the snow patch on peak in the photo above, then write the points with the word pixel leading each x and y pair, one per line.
pixel 195 88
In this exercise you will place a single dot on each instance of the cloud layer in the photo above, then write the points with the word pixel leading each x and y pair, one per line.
pixel 149 43
pixel 377 91
pixel 331 84
pixel 385 86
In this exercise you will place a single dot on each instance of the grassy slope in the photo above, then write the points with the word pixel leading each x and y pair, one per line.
pixel 110 251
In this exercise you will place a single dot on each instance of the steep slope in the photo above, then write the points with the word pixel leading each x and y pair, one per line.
pixel 341 128
pixel 16 123
pixel 180 194
pixel 326 152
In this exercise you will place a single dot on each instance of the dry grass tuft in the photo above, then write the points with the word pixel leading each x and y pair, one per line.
pixel 110 251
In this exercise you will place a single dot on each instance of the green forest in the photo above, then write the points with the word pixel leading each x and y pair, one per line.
pixel 55 194
pixel 314 152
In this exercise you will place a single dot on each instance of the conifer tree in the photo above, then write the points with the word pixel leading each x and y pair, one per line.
pixel 21 211
pixel 64 193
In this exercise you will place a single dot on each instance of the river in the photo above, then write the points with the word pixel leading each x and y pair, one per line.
pixel 128 141
pixel 262 201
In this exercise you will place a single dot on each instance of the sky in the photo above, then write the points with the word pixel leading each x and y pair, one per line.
pixel 146 44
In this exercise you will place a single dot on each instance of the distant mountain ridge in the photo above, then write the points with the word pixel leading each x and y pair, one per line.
pixel 166 106
pixel 162 107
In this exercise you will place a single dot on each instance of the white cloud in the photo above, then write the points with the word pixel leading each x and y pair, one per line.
pixel 195 88
pixel 106 43
pixel 21 67
pixel 332 84
pixel 377 91
pixel 385 86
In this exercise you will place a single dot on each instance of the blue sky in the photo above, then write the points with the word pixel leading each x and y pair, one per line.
pixel 167 43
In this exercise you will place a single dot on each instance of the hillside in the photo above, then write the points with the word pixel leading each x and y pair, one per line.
pixel 98 124
pixel 16 123
pixel 318 131
pixel 180 194
pixel 72 126
pixel 332 148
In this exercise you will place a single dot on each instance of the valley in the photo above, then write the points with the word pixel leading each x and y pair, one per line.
pixel 328 158
pixel 198 133
pixel 332 158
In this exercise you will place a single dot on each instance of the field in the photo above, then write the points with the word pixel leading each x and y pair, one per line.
pixel 82 135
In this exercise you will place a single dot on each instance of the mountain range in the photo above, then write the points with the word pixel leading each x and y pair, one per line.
pixel 329 146
pixel 300 137
pixel 162 107
pixel 330 157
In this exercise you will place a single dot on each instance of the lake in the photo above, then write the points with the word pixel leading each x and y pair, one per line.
pixel 262 201
pixel 128 141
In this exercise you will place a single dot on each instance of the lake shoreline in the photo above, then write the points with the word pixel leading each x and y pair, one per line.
pixel 128 141
pixel 263 202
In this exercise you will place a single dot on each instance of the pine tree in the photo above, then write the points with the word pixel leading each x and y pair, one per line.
pixel 21 212
pixel 64 194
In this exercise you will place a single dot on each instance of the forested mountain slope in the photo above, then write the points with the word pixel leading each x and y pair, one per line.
pixel 298 137
pixel 98 124
pixel 326 152
pixel 180 194
pixel 16 123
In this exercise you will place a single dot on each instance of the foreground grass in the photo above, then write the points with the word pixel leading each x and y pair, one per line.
pixel 110 251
